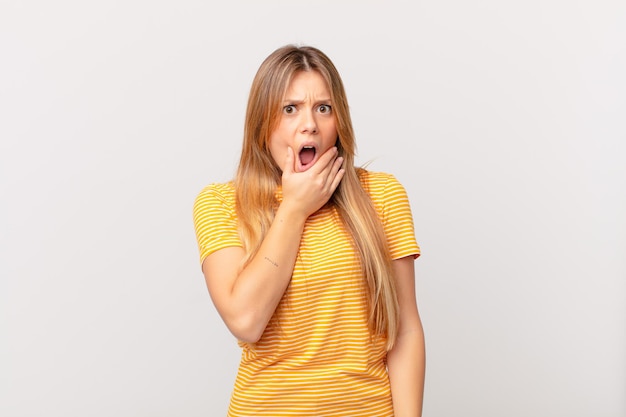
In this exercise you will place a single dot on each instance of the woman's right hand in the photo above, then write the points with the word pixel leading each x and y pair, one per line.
pixel 246 299
pixel 306 192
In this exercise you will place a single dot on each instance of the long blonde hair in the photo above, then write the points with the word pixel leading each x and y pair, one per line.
pixel 258 177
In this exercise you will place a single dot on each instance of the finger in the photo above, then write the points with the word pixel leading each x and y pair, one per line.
pixel 336 171
pixel 337 179
pixel 326 160
pixel 337 165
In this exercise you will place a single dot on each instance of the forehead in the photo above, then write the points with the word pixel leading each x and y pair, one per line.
pixel 307 83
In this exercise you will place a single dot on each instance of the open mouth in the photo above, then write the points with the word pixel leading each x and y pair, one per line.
pixel 307 156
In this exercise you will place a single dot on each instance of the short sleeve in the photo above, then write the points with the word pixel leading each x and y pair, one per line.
pixel 215 219
pixel 392 202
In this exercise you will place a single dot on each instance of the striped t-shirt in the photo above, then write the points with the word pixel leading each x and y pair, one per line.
pixel 317 356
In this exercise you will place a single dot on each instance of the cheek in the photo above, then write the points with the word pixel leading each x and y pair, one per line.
pixel 331 135
pixel 277 151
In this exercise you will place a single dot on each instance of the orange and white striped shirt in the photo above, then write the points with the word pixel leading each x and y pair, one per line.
pixel 317 356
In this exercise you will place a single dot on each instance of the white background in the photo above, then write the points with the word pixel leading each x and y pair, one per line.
pixel 505 121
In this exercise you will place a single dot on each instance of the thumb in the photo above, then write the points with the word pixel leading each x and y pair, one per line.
pixel 289 161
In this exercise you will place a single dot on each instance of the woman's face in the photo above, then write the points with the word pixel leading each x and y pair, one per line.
pixel 307 123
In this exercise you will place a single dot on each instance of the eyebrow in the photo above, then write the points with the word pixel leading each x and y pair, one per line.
pixel 296 101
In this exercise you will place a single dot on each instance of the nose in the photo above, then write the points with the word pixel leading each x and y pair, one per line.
pixel 308 123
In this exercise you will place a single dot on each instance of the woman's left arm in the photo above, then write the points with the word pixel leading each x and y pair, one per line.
pixel 407 359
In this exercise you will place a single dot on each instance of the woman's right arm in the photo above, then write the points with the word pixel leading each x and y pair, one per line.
pixel 247 299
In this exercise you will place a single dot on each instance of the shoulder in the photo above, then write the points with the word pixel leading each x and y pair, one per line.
pixel 215 218
pixel 215 196
pixel 223 192
pixel 378 184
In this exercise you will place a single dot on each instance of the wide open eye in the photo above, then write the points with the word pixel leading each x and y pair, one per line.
pixel 324 108
pixel 289 109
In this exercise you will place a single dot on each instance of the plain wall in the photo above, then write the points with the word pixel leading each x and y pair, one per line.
pixel 504 121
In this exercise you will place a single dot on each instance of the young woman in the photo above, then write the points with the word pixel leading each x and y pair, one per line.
pixel 309 260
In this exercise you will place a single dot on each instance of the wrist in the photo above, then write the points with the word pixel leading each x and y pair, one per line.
pixel 290 215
